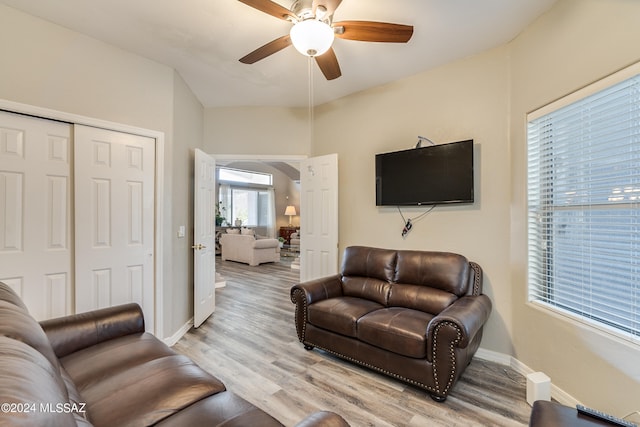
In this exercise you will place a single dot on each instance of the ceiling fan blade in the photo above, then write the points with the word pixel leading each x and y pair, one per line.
pixel 369 31
pixel 268 49
pixel 328 64
pixel 330 5
pixel 269 7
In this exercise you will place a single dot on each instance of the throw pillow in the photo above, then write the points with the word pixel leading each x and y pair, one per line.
pixel 247 231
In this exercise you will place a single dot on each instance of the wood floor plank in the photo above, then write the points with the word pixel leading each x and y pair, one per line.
pixel 250 344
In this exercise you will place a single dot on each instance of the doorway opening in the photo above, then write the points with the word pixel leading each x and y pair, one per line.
pixel 285 193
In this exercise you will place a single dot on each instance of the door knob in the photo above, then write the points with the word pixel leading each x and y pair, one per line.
pixel 199 246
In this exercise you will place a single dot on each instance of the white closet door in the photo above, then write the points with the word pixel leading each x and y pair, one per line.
pixel 114 215
pixel 35 213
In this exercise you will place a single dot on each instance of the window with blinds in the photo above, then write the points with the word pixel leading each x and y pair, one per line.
pixel 583 204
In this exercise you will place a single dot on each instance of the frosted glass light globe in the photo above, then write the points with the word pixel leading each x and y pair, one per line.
pixel 311 37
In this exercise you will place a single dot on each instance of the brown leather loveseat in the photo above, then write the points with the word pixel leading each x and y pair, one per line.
pixel 100 368
pixel 414 315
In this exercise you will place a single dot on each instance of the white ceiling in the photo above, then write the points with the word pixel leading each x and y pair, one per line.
pixel 203 40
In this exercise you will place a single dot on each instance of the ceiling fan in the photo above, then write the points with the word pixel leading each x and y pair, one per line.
pixel 313 32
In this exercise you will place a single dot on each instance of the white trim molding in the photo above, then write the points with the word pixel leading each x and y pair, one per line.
pixel 557 393
pixel 173 339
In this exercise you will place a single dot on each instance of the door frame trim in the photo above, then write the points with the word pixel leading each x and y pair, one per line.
pixel 259 157
pixel 49 114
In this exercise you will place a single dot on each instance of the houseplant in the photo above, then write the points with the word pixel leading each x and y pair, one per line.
pixel 220 219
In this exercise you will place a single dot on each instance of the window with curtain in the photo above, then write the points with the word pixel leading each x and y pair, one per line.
pixel 250 205
pixel 249 197
pixel 583 205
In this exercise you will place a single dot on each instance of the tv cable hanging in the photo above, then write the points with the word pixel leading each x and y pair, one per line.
pixel 408 222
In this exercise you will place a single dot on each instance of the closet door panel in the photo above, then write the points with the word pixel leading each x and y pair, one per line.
pixel 35 213
pixel 114 214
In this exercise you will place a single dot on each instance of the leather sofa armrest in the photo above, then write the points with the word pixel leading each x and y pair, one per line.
pixel 69 334
pixel 318 289
pixel 309 292
pixel 468 314
pixel 323 419
pixel 551 414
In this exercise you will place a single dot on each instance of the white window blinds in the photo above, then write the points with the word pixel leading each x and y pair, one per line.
pixel 583 205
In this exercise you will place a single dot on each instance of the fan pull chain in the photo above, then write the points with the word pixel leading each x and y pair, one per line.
pixel 311 101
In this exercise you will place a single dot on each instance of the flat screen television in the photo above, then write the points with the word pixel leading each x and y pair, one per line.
pixel 431 175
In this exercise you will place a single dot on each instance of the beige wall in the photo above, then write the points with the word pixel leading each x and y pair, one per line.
pixel 464 100
pixel 256 130
pixel 576 43
pixel 188 130
pixel 486 98
pixel 48 66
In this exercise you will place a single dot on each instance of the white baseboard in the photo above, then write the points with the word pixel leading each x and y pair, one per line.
pixel 170 341
pixel 557 393
pixel 220 282
pixel 493 356
pixel 562 396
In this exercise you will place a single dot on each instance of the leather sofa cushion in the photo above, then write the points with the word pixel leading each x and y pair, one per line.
pixel 29 378
pixel 369 262
pixel 9 295
pixel 16 323
pixel 368 288
pixel 74 395
pixel 99 362
pixel 148 393
pixel 136 380
pixel 223 408
pixel 441 270
pixel 420 298
pixel 399 330
pixel 340 314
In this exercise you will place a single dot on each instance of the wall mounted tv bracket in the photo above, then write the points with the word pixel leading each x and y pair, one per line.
pixel 425 139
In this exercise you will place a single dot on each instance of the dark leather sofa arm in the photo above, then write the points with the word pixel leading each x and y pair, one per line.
pixel 318 289
pixel 69 334
pixel 323 419
pixel 309 292
pixel 551 414
pixel 468 314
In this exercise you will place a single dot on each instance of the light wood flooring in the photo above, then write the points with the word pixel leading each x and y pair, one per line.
pixel 251 345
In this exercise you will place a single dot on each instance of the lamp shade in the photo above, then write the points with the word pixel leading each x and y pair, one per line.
pixel 311 37
pixel 290 210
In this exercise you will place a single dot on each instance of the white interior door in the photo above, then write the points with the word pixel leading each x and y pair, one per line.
pixel 35 213
pixel 204 265
pixel 318 217
pixel 115 221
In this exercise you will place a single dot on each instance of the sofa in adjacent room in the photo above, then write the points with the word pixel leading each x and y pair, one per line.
pixel 244 246
pixel 101 368
pixel 414 315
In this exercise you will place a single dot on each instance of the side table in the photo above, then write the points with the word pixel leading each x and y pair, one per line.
pixel 285 233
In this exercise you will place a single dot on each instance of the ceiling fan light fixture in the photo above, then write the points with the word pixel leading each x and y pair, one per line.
pixel 311 37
